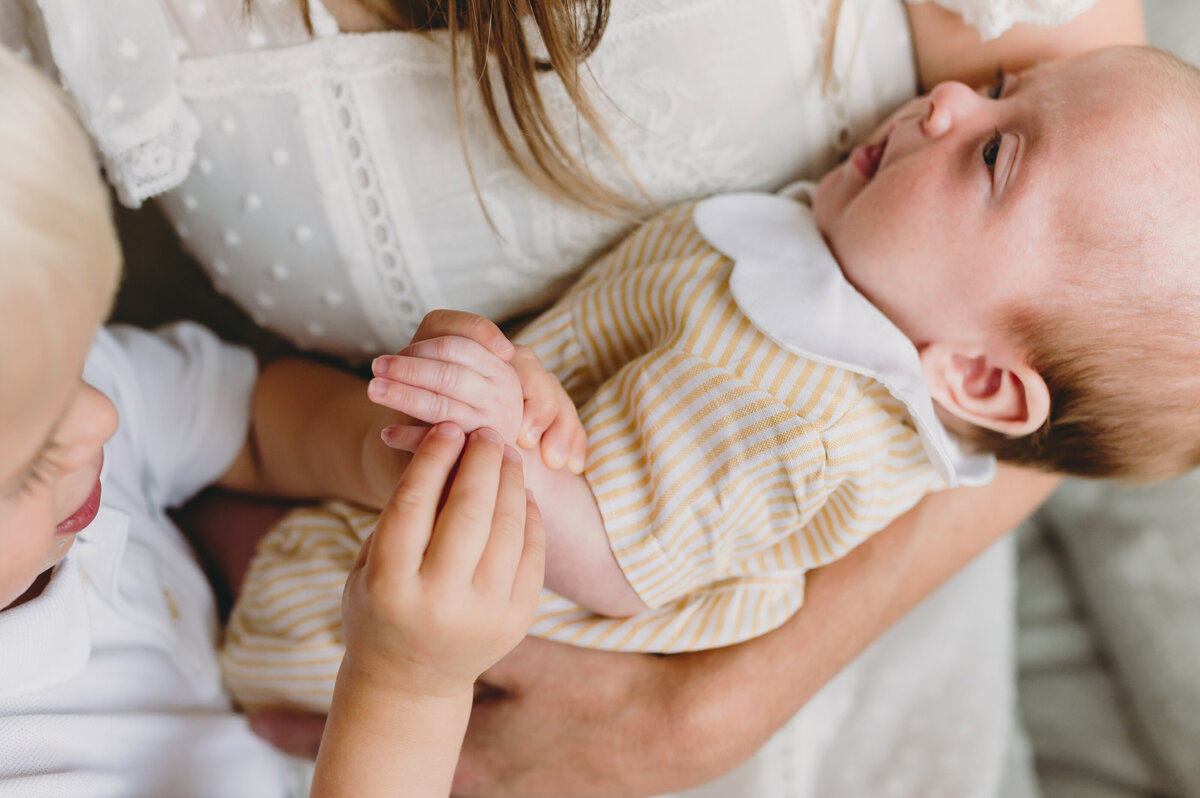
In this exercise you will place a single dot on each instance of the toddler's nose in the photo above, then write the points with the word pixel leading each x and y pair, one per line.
pixel 90 422
pixel 948 102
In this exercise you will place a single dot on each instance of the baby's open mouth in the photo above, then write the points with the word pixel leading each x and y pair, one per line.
pixel 868 156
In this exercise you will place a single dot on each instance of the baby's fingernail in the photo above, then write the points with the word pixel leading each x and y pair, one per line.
pixel 576 464
pixel 489 434
pixel 533 435
pixel 379 365
pixel 376 389
pixel 512 454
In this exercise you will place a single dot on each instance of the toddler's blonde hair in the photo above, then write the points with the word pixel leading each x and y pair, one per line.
pixel 55 220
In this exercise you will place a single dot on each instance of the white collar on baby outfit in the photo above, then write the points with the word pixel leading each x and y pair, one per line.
pixel 788 284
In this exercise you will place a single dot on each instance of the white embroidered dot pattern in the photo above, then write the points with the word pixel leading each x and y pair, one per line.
pixel 221 267
pixel 229 126
pixel 198 8
pixel 265 300
pixel 232 238
pixel 280 157
pixel 205 166
pixel 127 50
pixel 251 202
pixel 303 234
pixel 256 40
pixel 279 272
pixel 190 202
pixel 315 329
pixel 332 299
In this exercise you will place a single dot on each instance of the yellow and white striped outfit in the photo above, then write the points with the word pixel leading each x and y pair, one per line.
pixel 725 466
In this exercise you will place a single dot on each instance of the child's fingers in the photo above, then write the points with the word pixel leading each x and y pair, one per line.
pixel 403 531
pixel 463 525
pixel 531 569
pixel 498 563
pixel 438 323
pixel 450 379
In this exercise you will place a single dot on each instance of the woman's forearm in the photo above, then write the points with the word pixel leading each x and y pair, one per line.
pixel 947 48
pixel 314 434
pixel 569 722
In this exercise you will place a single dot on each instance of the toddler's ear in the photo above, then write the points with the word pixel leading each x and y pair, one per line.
pixel 1004 395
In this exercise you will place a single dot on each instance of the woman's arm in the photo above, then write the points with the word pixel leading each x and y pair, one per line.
pixel 559 720
pixel 949 49
pixel 313 433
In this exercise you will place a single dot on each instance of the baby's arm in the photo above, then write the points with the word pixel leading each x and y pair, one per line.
pixel 436 596
pixel 452 378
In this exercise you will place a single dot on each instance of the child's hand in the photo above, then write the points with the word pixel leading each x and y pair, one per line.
pixel 441 591
pixel 548 418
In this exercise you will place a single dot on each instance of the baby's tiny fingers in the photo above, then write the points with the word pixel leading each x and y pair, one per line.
pixel 450 379
pixel 438 323
pixel 456 349
pixel 405 437
pixel 421 404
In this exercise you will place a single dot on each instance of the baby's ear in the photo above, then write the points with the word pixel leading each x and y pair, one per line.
pixel 1000 394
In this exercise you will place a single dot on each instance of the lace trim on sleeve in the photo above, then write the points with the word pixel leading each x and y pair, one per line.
pixel 140 167
pixel 117 60
pixel 994 17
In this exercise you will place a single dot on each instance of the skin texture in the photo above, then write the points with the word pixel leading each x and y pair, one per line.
pixel 54 422
pixel 439 591
pixel 560 721
pixel 549 731
pixel 959 208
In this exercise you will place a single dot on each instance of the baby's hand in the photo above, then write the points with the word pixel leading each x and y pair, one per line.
pixel 548 415
pixel 453 379
pixel 440 593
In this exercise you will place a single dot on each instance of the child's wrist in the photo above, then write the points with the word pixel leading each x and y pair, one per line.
pixel 400 687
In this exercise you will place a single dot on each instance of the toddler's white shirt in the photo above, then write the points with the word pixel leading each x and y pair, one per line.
pixel 109 684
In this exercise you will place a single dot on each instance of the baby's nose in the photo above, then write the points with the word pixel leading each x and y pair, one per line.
pixel 947 103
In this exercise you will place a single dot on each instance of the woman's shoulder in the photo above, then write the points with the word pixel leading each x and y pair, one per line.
pixel 994 17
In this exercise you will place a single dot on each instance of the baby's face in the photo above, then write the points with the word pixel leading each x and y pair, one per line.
pixel 52 426
pixel 954 210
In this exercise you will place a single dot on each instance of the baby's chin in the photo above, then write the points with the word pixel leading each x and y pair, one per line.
pixel 823 200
